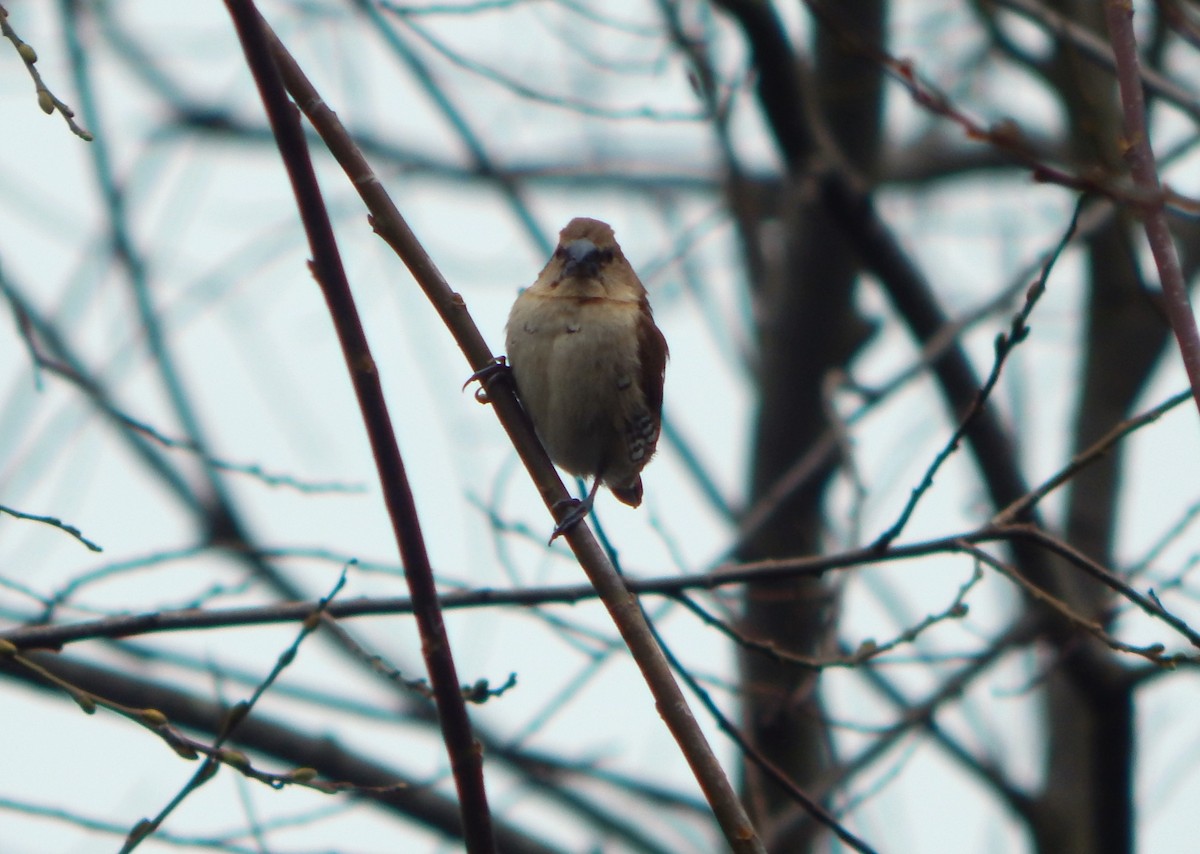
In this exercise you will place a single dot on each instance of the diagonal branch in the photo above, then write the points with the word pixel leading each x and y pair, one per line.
pixel 466 760
pixel 623 608
pixel 1140 156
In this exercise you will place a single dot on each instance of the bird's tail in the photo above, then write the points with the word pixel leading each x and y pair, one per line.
pixel 630 493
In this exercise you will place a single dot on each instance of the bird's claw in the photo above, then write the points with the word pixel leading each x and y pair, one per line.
pixel 497 367
pixel 573 517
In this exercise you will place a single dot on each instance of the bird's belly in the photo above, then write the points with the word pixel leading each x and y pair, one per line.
pixel 576 376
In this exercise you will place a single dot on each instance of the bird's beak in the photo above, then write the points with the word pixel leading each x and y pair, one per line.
pixel 582 259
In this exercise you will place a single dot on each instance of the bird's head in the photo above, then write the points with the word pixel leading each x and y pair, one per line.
pixel 582 259
pixel 588 262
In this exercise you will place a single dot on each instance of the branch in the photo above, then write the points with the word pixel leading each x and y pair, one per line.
pixel 810 805
pixel 373 780
pixel 216 755
pixel 54 523
pixel 47 100
pixel 195 619
pixel 1148 603
pixel 1085 458
pixel 1140 156
pixel 466 760
pixel 1153 653
pixel 622 607
pixel 1018 331
pixel 868 650
pixel 1093 47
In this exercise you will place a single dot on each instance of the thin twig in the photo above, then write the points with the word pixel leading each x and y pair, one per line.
pixel 1018 331
pixel 47 100
pixel 1095 49
pixel 1085 458
pixel 1148 602
pixel 230 722
pixel 1153 653
pixel 867 650
pixel 53 522
pixel 809 804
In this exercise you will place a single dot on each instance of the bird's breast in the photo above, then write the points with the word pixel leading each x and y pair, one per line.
pixel 576 366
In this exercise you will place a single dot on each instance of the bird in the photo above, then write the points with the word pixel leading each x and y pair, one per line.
pixel 588 363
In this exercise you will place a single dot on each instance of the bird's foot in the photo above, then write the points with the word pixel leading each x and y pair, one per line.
pixel 576 514
pixel 579 510
pixel 496 368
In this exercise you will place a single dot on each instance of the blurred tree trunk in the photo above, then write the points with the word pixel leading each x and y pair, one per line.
pixel 807 328
pixel 1088 799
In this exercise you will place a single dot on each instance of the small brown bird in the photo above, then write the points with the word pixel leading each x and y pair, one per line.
pixel 588 363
